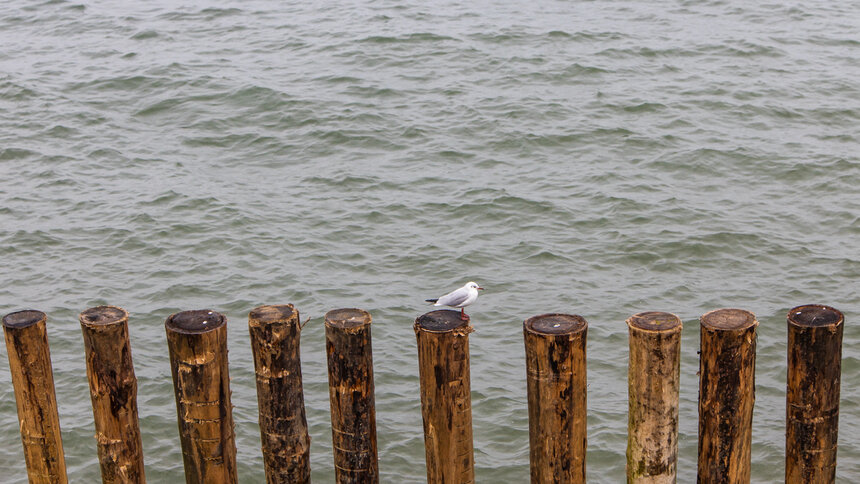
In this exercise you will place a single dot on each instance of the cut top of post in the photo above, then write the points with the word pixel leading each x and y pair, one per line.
pixel 728 320
pixel 195 322
pixel 23 319
pixel 282 313
pixel 347 318
pixel 814 316
pixel 103 316
pixel 440 321
pixel 655 321
pixel 555 323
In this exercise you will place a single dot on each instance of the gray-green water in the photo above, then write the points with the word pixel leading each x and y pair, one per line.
pixel 599 158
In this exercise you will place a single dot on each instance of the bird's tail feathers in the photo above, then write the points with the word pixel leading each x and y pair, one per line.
pixel 431 300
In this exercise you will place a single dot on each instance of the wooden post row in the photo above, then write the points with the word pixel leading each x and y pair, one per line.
pixel 33 379
pixel 275 334
pixel 197 344
pixel 556 380
pixel 353 411
pixel 113 391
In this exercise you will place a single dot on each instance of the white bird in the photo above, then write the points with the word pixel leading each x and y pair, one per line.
pixel 459 298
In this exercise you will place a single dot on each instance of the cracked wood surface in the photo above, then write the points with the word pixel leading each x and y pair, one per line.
pixel 113 391
pixel 556 382
pixel 197 343
pixel 275 336
pixel 446 401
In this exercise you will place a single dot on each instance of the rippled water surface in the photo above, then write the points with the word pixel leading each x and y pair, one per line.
pixel 599 158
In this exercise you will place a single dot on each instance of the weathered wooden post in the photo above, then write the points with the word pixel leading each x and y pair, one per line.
pixel 556 381
pixel 446 400
pixel 653 381
pixel 353 412
pixel 726 395
pixel 33 380
pixel 113 390
pixel 812 394
pixel 197 342
pixel 275 334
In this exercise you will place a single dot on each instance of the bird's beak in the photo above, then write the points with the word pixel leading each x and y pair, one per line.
pixel 480 288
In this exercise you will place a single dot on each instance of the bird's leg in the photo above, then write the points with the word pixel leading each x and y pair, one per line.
pixel 463 315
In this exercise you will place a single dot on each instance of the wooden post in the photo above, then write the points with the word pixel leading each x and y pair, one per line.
pixel 653 381
pixel 353 412
pixel 113 390
pixel 812 394
pixel 446 400
pixel 197 342
pixel 33 381
pixel 556 381
pixel 726 395
pixel 275 333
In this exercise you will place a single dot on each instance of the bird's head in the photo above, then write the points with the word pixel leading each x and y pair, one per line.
pixel 474 285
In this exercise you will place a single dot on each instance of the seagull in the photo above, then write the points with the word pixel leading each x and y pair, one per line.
pixel 459 298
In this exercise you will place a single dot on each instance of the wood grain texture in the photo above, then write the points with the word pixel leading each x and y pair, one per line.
pixel 275 337
pixel 446 400
pixel 113 391
pixel 197 343
pixel 557 387
pixel 812 394
pixel 653 379
pixel 726 395
pixel 351 392
pixel 33 380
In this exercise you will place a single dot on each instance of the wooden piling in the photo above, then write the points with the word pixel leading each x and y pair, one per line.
pixel 653 381
pixel 556 381
pixel 197 343
pixel 275 334
pixel 353 412
pixel 113 390
pixel 812 394
pixel 33 380
pixel 446 401
pixel 726 395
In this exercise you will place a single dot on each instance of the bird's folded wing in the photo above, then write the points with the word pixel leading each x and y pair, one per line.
pixel 454 298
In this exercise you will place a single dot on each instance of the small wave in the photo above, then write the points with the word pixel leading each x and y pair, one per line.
pixel 145 35
pixel 421 37
pixel 9 154
pixel 205 14
pixel 10 91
